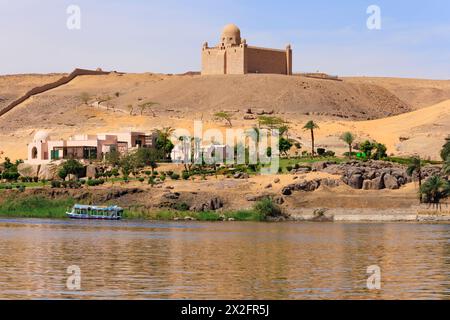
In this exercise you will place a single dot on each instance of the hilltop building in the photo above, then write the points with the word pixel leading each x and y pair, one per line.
pixel 43 150
pixel 233 56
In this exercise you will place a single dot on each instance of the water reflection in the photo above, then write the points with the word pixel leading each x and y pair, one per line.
pixel 133 260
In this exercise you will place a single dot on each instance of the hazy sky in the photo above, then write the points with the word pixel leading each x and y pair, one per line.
pixel 167 35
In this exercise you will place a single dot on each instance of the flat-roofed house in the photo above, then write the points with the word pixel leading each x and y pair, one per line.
pixel 85 146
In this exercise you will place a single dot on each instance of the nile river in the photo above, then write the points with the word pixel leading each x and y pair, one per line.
pixel 156 260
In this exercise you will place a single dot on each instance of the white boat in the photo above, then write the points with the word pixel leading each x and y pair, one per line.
pixel 95 212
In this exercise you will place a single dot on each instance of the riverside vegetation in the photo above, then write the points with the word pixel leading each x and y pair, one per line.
pixel 141 166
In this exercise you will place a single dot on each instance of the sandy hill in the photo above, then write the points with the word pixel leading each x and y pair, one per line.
pixel 337 105
pixel 417 93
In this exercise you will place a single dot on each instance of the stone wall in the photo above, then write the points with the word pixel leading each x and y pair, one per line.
pixel 261 60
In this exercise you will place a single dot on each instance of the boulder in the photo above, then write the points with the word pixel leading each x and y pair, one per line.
pixel 378 183
pixel 47 172
pixel 319 166
pixel 356 181
pixel 277 180
pixel 286 191
pixel 172 196
pixel 91 171
pixel 28 170
pixel 390 182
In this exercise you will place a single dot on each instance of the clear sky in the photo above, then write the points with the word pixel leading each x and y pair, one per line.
pixel 167 35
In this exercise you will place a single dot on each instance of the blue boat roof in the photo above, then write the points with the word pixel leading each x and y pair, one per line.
pixel 99 208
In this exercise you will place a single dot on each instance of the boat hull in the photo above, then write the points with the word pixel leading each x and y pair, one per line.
pixel 88 217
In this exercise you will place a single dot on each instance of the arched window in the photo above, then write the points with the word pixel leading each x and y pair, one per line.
pixel 34 153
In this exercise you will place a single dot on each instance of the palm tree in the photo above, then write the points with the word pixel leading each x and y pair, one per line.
pixel 165 134
pixel 148 105
pixel 311 125
pixel 446 167
pixel 435 189
pixel 415 166
pixel 348 138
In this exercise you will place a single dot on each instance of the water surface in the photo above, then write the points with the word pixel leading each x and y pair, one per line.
pixel 154 260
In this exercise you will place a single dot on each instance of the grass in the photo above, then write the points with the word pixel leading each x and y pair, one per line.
pixel 170 215
pixel 35 207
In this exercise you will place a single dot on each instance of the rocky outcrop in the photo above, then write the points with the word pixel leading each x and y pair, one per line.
pixel 374 175
pixel 28 170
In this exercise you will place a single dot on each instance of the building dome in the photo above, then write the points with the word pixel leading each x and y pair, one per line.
pixel 40 136
pixel 231 34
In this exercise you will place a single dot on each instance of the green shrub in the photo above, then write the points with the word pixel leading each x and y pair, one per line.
pixel 175 176
pixel 267 208
pixel 185 175
pixel 321 152
pixel 56 184
pixel 289 168
pixel 181 206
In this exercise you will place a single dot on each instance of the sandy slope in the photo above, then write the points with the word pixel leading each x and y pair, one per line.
pixel 186 98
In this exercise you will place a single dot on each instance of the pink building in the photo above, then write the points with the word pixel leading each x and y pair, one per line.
pixel 85 147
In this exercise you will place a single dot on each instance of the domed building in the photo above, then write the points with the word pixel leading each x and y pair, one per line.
pixel 233 56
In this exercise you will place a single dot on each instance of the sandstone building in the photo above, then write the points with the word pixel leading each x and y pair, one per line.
pixel 233 56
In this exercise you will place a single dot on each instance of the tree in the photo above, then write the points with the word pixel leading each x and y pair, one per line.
pixel 446 167
pixel 148 157
pixel 148 105
pixel 380 151
pixel 128 165
pixel 434 190
pixel 85 97
pixel 113 157
pixel 285 145
pixel 367 147
pixel 223 115
pixel 445 153
pixel 163 141
pixel 415 166
pixel 348 138
pixel 71 166
pixel 311 125
pixel 272 123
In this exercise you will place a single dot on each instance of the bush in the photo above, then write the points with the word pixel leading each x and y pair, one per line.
pixel 321 152
pixel 56 184
pixel 10 176
pixel 162 177
pixel 141 179
pixel 181 206
pixel 330 153
pixel 267 208
pixel 185 175
pixel 289 168
pixel 175 176
pixel 95 182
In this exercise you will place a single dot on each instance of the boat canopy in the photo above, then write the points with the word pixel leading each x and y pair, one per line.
pixel 97 208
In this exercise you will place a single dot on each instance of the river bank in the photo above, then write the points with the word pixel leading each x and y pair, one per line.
pixel 299 196
pixel 35 206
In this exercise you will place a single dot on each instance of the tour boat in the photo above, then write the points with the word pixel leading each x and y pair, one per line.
pixel 95 212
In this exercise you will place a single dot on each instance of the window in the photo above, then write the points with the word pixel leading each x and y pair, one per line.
pixel 34 153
